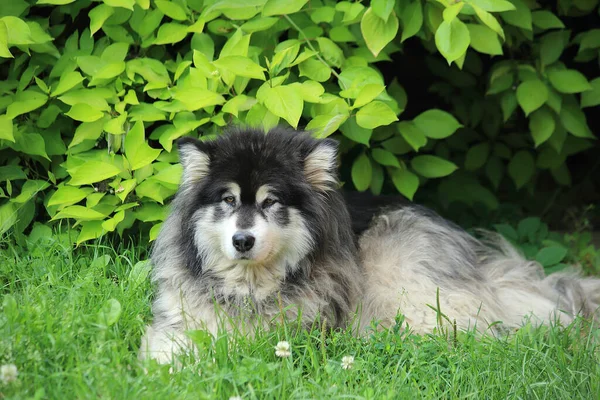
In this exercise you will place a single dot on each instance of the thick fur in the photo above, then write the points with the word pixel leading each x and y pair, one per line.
pixel 310 259
pixel 311 267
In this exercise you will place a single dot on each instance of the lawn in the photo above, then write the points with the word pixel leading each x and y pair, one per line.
pixel 71 323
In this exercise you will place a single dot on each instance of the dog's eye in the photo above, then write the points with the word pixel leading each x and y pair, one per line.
pixel 268 202
pixel 229 200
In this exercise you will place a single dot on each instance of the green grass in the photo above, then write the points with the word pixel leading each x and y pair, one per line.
pixel 67 338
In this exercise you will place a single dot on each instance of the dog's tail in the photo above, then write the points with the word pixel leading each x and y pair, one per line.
pixel 522 283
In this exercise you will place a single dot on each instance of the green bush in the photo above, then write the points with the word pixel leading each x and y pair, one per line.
pixel 94 93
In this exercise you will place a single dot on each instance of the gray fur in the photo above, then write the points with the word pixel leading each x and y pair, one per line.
pixel 397 265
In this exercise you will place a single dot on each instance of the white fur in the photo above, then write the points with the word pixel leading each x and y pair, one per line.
pixel 195 163
pixel 318 166
pixel 396 254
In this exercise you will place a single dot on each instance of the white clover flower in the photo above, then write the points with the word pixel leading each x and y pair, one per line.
pixel 347 362
pixel 283 349
pixel 235 398
pixel 8 373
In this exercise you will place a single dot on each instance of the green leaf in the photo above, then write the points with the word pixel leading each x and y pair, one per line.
pixel 452 11
pixel 284 101
pixel 568 81
pixel 25 102
pixel 412 134
pixel 87 131
pixel 452 39
pixel 8 216
pixel 544 19
pixel 238 103
pixel 137 151
pixel 377 179
pixel 331 52
pixel 33 144
pixel 521 17
pixel 107 72
pixel 548 158
pixel 362 172
pixel 397 145
pixel 281 7
pixel 541 125
pixel 367 94
pixel 4 51
pixel 110 312
pixel 171 9
pixel 111 224
pixel 128 4
pixel 493 5
pixel 405 182
pixel 171 32
pixel 378 32
pixel 383 8
pixel 55 2
pixel 67 81
pixel 6 128
pixel 484 40
pixel 311 91
pixel 591 98
pixel 11 173
pixel 322 14
pixel 549 256
pixel 18 32
pixel 477 156
pixel 195 98
pixel 590 40
pixel 323 126
pixel 508 103
pixel 139 273
pixel 531 95
pixel 241 66
pixel 552 46
pixel 98 16
pixel 574 121
pixel 375 114
pixel 260 24
pixel 437 124
pixel 430 166
pixel 315 70
pixel 79 213
pixel 356 133
pixel 521 168
pixel 385 157
pixel 84 113
pixel 529 227
pixel 490 21
pixel 92 172
pixel 29 190
pixel 68 195
pixel 412 20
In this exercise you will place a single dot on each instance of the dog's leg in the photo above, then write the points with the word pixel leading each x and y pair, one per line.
pixel 163 344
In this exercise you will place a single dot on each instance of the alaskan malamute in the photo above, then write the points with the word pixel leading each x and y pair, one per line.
pixel 259 230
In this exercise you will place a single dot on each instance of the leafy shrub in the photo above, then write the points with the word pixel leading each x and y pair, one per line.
pixel 94 93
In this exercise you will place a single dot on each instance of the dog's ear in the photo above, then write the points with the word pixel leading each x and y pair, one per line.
pixel 194 156
pixel 320 165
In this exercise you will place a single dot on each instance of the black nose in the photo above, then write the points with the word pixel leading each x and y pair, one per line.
pixel 243 241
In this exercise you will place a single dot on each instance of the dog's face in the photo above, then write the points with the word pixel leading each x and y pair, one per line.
pixel 252 196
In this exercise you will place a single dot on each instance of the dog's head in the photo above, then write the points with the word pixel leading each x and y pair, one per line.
pixel 253 195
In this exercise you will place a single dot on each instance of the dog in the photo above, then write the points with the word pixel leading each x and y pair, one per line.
pixel 260 229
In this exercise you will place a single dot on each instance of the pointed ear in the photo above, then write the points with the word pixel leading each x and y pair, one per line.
pixel 320 165
pixel 195 159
